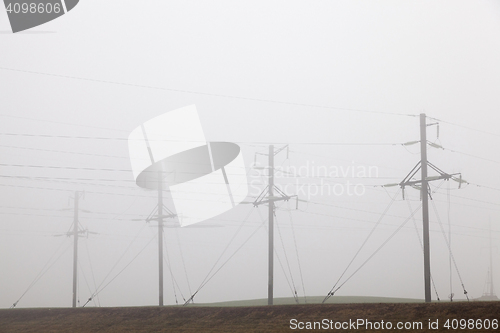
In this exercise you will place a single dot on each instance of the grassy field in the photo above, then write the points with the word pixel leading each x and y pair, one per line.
pixel 244 318
pixel 315 300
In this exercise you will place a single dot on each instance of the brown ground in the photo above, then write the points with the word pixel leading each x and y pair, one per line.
pixel 239 319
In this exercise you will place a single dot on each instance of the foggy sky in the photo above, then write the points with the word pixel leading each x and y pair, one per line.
pixel 341 82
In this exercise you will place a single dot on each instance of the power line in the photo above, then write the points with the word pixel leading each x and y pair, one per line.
pixel 183 140
pixel 333 290
pixel 292 288
pixel 475 200
pixel 336 158
pixel 61 123
pixel 145 196
pixel 206 93
pixel 292 285
pixel 470 155
pixel 466 127
pixel 57 179
pixel 228 259
pixel 297 255
pixel 62 167
pixel 44 270
pixel 342 218
pixel 64 151
pixel 107 284
pixel 449 249
pixel 380 247
pixel 488 187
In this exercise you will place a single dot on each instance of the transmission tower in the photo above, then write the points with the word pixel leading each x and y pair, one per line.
pixel 268 196
pixel 75 246
pixel 159 213
pixel 425 193
pixel 489 293
pixel 76 233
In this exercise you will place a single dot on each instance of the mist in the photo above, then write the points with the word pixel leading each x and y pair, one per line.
pixel 341 83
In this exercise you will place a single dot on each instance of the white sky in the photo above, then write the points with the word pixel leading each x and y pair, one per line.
pixel 258 71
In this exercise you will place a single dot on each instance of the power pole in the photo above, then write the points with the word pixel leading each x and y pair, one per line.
pixel 270 199
pixel 449 256
pixel 425 194
pixel 161 212
pixel 425 206
pixel 491 291
pixel 75 247
pixel 76 233
pixel 160 238
pixel 270 281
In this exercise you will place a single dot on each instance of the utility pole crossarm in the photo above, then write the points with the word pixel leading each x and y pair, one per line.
pixel 272 199
pixel 414 182
pixel 442 175
pixel 279 150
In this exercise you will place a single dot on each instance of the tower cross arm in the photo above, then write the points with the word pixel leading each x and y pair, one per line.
pixel 445 176
pixel 272 199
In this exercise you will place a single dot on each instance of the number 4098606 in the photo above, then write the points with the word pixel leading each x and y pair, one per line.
pixel 471 324
pixel 33 8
